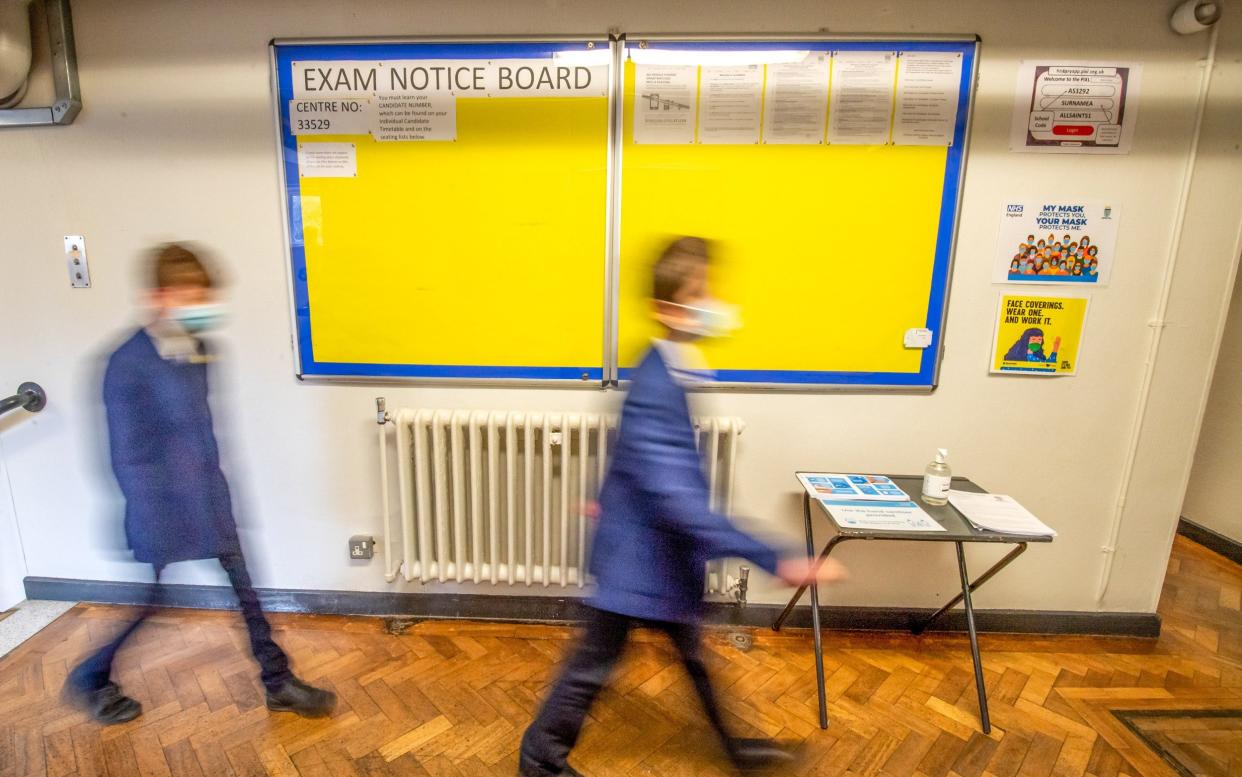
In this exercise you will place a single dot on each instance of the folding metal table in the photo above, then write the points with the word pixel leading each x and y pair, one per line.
pixel 957 530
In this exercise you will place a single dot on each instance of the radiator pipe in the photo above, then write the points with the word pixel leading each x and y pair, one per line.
pixel 1156 328
pixel 16 51
pixel 381 419
pixel 743 582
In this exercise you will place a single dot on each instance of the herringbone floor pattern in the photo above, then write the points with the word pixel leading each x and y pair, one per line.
pixel 451 698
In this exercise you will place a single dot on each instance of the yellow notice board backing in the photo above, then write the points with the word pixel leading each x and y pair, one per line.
pixel 447 207
pixel 832 250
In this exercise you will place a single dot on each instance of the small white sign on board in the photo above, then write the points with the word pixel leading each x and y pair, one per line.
pixel 327 160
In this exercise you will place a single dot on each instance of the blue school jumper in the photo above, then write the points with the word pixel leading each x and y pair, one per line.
pixel 164 455
pixel 656 530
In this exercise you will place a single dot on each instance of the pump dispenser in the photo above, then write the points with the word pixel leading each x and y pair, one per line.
pixel 936 479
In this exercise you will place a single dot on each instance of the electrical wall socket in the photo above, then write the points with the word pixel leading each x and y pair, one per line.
pixel 75 259
pixel 361 546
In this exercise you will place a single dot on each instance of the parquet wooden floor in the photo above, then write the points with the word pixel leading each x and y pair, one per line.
pixel 1195 742
pixel 451 698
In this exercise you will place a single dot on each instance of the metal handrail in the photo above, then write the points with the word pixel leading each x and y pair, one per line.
pixel 30 396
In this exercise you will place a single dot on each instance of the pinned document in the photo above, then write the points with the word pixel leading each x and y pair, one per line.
pixel 998 513
pixel 666 104
pixel 927 92
pixel 730 100
pixel 862 97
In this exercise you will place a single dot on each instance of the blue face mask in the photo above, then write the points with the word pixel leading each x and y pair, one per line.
pixel 198 318
pixel 710 318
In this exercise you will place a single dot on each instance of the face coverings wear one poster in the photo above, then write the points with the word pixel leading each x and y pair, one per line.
pixel 1038 335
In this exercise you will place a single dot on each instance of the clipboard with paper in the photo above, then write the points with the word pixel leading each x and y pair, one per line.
pixel 998 513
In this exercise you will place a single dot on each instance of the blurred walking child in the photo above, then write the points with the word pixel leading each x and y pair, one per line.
pixel 177 502
pixel 656 530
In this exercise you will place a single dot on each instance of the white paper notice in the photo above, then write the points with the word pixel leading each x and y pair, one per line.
pixel 428 116
pixel 999 513
pixel 729 111
pixel 664 106
pixel 893 516
pixel 927 89
pixel 416 99
pixel 327 160
pixel 862 97
pixel 919 337
pixel 346 116
pixel 795 103
pixel 1075 107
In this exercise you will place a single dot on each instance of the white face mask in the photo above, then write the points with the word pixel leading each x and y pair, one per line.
pixel 198 318
pixel 709 318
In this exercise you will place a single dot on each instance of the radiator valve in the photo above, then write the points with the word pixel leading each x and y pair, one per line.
pixel 738 586
pixel 381 411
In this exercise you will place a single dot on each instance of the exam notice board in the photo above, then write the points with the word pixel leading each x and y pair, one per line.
pixel 454 170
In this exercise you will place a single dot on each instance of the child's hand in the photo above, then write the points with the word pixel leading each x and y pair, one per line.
pixel 802 571
pixel 590 510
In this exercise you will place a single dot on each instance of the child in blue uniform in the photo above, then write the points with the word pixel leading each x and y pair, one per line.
pixel 656 530
pixel 177 502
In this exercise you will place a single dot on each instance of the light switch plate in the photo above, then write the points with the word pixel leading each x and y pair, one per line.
pixel 75 259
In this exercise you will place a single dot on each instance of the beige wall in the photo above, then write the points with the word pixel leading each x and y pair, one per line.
pixel 176 141
pixel 12 565
pixel 1214 497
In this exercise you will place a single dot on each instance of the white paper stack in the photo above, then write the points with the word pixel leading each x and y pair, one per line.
pixel 998 513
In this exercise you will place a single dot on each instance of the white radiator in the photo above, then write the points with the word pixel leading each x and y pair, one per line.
pixel 500 496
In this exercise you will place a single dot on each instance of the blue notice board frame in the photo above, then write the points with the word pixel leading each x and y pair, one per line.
pixel 283 54
pixel 955 165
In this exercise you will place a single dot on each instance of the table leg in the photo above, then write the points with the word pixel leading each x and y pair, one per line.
pixel 810 549
pixel 980 688
pixel 919 628
pixel 815 624
pixel 815 615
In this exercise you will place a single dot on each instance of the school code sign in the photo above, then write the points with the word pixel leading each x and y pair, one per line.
pixel 417 99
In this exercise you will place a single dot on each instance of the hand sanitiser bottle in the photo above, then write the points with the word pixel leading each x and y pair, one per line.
pixel 936 479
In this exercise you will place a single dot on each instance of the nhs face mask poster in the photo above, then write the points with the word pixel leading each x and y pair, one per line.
pixel 1056 242
pixel 1038 335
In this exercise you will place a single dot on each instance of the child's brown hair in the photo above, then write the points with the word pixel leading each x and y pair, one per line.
pixel 175 264
pixel 675 265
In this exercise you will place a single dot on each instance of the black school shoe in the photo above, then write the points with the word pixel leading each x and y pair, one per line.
pixel 107 706
pixel 305 700
pixel 525 769
pixel 750 755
